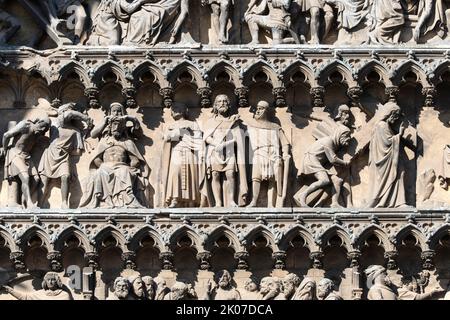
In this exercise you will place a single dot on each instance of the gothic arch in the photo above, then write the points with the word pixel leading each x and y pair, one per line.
pixel 155 70
pixel 336 230
pixel 186 66
pixel 62 237
pixel 411 229
pixel 197 241
pixel 231 71
pixel 226 231
pixel 110 231
pixel 79 70
pixel 437 235
pixel 410 66
pixel 300 66
pixel 379 68
pixel 375 230
pixel 9 239
pixel 265 233
pixel 303 233
pixel 109 66
pixel 261 66
pixel 40 233
pixel 346 71
pixel 439 71
pixel 135 241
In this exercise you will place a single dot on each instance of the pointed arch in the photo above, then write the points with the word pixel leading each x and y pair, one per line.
pixel 411 229
pixel 75 231
pixel 261 66
pixel 147 230
pixel 263 231
pixel 304 233
pixel 439 71
pixel 437 235
pixel 379 68
pixel 346 71
pixel 227 232
pixel 110 66
pixel 410 66
pixel 373 229
pixel 10 243
pixel 300 66
pixel 154 69
pixel 34 70
pixel 74 67
pixel 230 70
pixel 110 231
pixel 39 232
pixel 186 66
pixel 336 230
pixel 185 230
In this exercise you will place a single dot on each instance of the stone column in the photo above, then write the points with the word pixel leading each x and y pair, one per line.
pixel 17 258
pixel 430 95
pixel 166 260
pixel 354 259
pixel 205 97
pixel 280 97
pixel 318 95
pixel 204 259
pixel 55 260
pixel 130 97
pixel 279 258
pixel 89 275
pixel 242 95
pixel 242 260
pixel 92 260
pixel 92 95
pixel 167 95
pixel 129 260
pixel 316 258
pixel 391 257
pixel 428 259
pixel 392 93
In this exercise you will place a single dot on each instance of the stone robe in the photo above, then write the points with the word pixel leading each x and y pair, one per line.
pixel 386 174
pixel 381 292
pixel 352 13
pixel 42 294
pixel 389 20
pixel 278 16
pixel 181 163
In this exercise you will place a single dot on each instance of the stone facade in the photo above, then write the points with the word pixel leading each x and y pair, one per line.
pixel 219 149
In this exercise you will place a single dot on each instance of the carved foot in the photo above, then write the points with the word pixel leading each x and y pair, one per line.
pixel 233 204
pixel 336 205
pixel 252 205
pixel 173 204
pixel 302 200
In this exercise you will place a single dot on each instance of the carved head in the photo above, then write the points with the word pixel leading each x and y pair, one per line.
pixel 41 125
pixel 117 110
pixel 137 286
pixel 344 115
pixel 250 285
pixel 52 281
pixel 150 287
pixel 376 274
pixel 324 288
pixel 179 291
pixel 179 111
pixel 342 136
pixel 121 287
pixel 224 279
pixel 263 111
pixel 290 284
pixel 222 104
pixel 391 112
pixel 270 285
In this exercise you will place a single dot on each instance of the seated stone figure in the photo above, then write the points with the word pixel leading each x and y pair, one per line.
pixel 119 173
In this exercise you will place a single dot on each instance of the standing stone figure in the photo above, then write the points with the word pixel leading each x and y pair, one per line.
pixel 224 289
pixel 225 157
pixel 386 172
pixel 320 161
pixel 183 144
pixel 271 156
pixel 119 173
pixel 107 28
pixel 52 289
pixel 268 14
pixel 9 25
pixel 315 8
pixel 325 290
pixel 121 289
pixel 410 290
pixel 387 20
pixel 220 17
pixel 270 289
pixel 379 284
pixel 66 140
pixel 290 285
pixel 18 143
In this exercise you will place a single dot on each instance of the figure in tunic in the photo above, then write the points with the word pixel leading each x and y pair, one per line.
pixel 290 284
pixel 325 290
pixel 220 17
pixel 18 144
pixel 224 289
pixel 183 144
pixel 119 173
pixel 271 156
pixel 410 290
pixel 387 20
pixel 268 14
pixel 386 171
pixel 225 157
pixel 52 289
pixel 380 286
pixel 66 140
pixel 315 8
pixel 306 290
pixel 121 290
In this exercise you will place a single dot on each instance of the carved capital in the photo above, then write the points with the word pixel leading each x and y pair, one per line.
pixel 204 258
pixel 55 258
pixel 242 260
pixel 166 260
pixel 430 94
pixel 242 95
pixel 205 97
pixel 354 257
pixel 130 97
pixel 317 95
pixel 167 95
pixel 17 258
pixel 279 258
pixel 92 259
pixel 280 97
pixel 392 93
pixel 354 93
pixel 92 95
pixel 316 258
pixel 129 260
pixel 391 257
pixel 428 259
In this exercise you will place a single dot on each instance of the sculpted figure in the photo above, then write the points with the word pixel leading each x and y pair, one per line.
pixel 18 143
pixel 107 28
pixel 325 290
pixel 121 290
pixel 387 20
pixel 179 291
pixel 137 289
pixel 444 172
pixel 315 8
pixel 290 285
pixel 410 290
pixel 271 156
pixel 270 289
pixel 52 289
pixel 306 290
pixel 320 161
pixel 250 291
pixel 224 289
pixel 150 287
pixel 9 25
pixel 386 172
pixel 268 14
pixel 161 288
pixel 180 170
pixel 66 140
pixel 119 173
pixel 220 17
pixel 225 157
pixel 380 284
